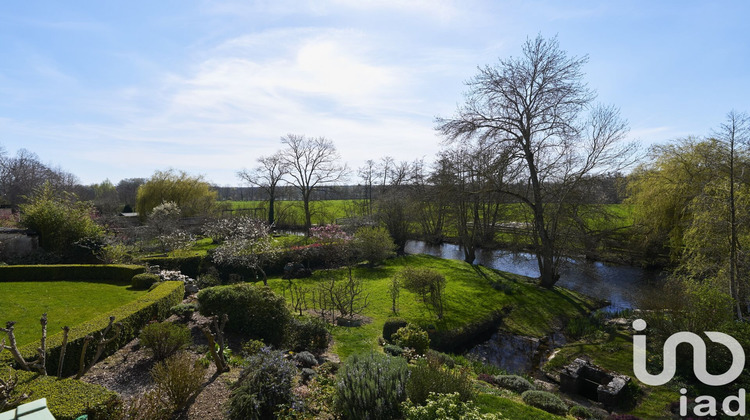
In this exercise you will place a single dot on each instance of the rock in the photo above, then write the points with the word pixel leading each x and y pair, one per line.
pixel 583 378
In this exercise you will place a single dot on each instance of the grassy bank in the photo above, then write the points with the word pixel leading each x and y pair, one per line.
pixel 472 294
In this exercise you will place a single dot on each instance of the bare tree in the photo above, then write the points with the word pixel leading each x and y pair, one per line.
pixel 532 108
pixel 367 174
pixel 735 131
pixel 22 174
pixel 267 176
pixel 312 163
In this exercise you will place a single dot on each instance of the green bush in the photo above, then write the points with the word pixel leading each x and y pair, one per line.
pixel 413 337
pixel 179 378
pixel 429 376
pixel 60 219
pixel 117 274
pixel 309 334
pixel 391 326
pixel 393 350
pixel 371 386
pixel 133 316
pixel 144 281
pixel 374 245
pixel 184 310
pixel 514 383
pixel 546 401
pixel 445 407
pixel 459 340
pixel 164 339
pixel 254 311
pixel 68 399
pixel 265 385
pixel 581 412
pixel 252 347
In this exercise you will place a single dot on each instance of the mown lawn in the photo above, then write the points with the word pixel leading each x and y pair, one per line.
pixel 65 302
pixel 469 297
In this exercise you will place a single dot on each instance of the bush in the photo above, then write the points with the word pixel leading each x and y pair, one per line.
pixel 445 407
pixel 252 347
pixel 428 376
pixel 164 339
pixel 427 284
pixel 264 385
pixel 581 412
pixel 61 220
pixel 461 339
pixel 309 334
pixel 371 386
pixel 391 326
pixel 144 281
pixel 133 316
pixel 255 311
pixel 546 401
pixel 179 378
pixel 393 350
pixel 184 310
pixel 413 337
pixel 514 383
pixel 68 399
pixel 305 359
pixel 374 245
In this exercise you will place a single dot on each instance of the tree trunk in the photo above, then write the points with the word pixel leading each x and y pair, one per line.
pixel 271 215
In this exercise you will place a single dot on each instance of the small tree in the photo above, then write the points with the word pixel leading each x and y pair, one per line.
pixel 374 244
pixel 428 284
pixel 192 194
pixel 250 246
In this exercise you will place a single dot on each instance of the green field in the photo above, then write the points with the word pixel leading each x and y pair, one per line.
pixel 292 212
pixel 65 302
pixel 469 297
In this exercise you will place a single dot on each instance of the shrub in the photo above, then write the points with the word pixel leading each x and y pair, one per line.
pixel 514 383
pixel 445 407
pixel 309 334
pixel 306 359
pixel 264 385
pixel 546 401
pixel 371 386
pixel 393 350
pixel 144 281
pixel 151 405
pixel 184 310
pixel 459 340
pixel 164 339
pixel 413 337
pixel 391 326
pixel 581 412
pixel 179 378
pixel 374 244
pixel 61 220
pixel 427 284
pixel 251 347
pixel 254 311
pixel 428 376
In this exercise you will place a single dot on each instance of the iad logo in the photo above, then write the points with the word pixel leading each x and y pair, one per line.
pixel 705 405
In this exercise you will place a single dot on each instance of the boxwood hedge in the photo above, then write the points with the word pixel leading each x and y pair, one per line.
pixel 70 272
pixel 154 305
pixel 67 399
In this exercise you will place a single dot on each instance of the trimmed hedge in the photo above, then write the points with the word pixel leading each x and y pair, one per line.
pixel 546 401
pixel 144 281
pixel 109 273
pixel 154 305
pixel 67 399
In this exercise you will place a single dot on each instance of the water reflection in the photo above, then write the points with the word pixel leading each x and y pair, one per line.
pixel 623 286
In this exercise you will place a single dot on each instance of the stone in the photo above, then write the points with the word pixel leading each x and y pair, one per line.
pixel 581 377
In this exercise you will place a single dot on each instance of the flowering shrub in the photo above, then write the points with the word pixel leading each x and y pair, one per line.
pixel 250 246
pixel 329 234
pixel 445 407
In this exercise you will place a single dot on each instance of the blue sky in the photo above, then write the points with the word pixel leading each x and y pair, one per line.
pixel 119 89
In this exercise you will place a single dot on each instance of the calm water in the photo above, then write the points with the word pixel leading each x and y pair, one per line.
pixel 622 285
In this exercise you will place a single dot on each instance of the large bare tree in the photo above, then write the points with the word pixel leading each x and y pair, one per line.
pixel 534 109
pixel 267 177
pixel 312 163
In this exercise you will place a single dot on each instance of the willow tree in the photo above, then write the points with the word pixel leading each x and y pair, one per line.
pixel 537 109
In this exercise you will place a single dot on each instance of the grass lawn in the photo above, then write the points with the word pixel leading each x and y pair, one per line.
pixel 469 297
pixel 65 302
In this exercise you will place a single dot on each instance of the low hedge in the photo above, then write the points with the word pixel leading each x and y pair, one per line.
pixel 461 339
pixel 189 266
pixel 70 272
pixel 67 399
pixel 154 305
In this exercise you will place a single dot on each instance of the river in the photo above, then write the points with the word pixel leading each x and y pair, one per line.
pixel 621 285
